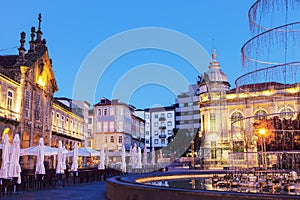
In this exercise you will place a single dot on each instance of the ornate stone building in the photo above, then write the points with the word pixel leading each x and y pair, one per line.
pixel 27 88
pixel 27 103
pixel 228 116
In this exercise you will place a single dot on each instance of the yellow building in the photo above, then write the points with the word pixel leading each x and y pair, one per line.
pixel 228 116
pixel 27 105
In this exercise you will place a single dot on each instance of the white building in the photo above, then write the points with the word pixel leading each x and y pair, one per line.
pixel 159 125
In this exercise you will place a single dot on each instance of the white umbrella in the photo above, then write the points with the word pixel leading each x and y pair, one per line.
pixel 139 158
pixel 5 157
pixel 34 150
pixel 40 168
pixel 102 158
pixel 74 166
pixel 131 157
pixel 85 152
pixel 123 167
pixel 14 165
pixel 65 151
pixel 60 165
pixel 145 156
pixel 153 156
pixel 134 156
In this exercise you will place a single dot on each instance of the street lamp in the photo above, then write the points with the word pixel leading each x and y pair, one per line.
pixel 262 132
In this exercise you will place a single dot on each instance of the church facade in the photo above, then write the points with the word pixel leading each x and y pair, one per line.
pixel 27 103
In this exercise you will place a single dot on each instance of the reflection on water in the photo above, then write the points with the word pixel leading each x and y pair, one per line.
pixel 206 184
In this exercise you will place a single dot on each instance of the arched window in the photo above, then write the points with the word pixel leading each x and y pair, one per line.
pixel 287 113
pixel 236 118
pixel 9 100
pixel 260 114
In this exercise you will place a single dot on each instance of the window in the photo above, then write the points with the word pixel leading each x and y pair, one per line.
pixel 9 100
pixel 38 107
pixel 106 139
pixel 112 139
pixel 147 141
pixel 147 124
pixel 57 119
pixel 27 104
pixel 163 132
pixel 169 123
pixel 156 141
pixel 212 116
pixel 62 122
pixel 162 115
pixel 212 121
pixel 52 117
pixel 99 112
pixel 147 133
pixel 213 151
pixel 47 112
pixel 170 132
pixel 120 139
pixel 156 116
pixel 105 126
pixel 169 115
pixel 260 114
pixel 89 132
pixel 147 116
pixel 236 118
pixel 90 120
pixel 112 126
pixel 156 124
pixel 155 132
pixel 287 113
pixel 162 124
pixel 105 111
pixel 163 141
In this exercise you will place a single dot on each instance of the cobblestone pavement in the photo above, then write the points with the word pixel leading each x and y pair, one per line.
pixel 89 191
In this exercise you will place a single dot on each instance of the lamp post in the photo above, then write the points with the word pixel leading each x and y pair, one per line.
pixel 262 132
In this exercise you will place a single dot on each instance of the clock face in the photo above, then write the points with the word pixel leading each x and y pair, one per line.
pixel 203 89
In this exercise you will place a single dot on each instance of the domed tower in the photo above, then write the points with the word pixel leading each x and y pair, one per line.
pixel 215 80
pixel 214 137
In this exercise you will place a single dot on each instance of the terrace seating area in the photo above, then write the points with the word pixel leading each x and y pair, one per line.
pixel 32 182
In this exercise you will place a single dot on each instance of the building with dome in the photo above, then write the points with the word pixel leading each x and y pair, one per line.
pixel 229 118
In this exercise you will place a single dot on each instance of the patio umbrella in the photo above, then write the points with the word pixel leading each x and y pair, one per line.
pixel 131 157
pixel 74 166
pixel 14 165
pixel 145 156
pixel 40 168
pixel 34 151
pixel 134 156
pixel 123 167
pixel 139 158
pixel 102 158
pixel 5 157
pixel 65 151
pixel 85 152
pixel 60 165
pixel 153 156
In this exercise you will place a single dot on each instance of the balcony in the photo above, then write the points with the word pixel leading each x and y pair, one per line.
pixel 162 127
pixel 162 119
pixel 162 136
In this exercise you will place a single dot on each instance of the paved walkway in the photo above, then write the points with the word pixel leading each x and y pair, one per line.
pixel 89 191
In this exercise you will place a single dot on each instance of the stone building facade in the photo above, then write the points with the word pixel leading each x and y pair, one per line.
pixel 27 103
pixel 228 115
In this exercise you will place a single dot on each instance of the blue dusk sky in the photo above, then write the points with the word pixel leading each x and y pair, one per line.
pixel 143 52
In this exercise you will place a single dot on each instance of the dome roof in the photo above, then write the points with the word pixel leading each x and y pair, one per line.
pixel 214 73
